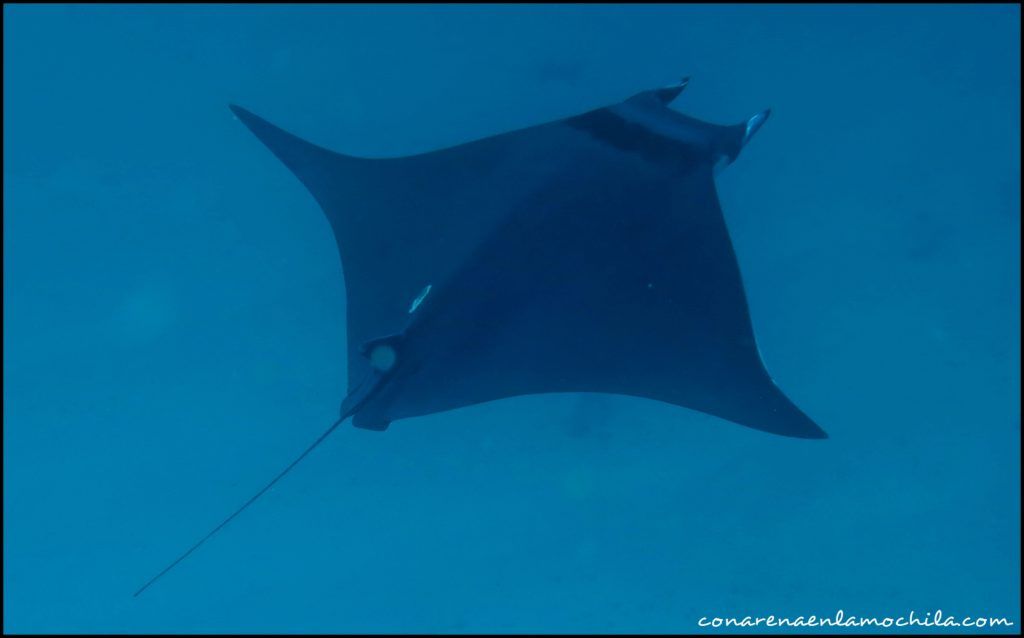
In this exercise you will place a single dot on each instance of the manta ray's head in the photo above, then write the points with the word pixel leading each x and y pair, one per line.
pixel 644 123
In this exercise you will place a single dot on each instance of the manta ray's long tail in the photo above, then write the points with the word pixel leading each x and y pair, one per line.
pixel 348 407
pixel 251 500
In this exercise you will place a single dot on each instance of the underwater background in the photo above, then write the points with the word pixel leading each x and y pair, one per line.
pixel 174 327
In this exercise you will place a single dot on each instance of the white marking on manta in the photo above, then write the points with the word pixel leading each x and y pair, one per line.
pixel 419 299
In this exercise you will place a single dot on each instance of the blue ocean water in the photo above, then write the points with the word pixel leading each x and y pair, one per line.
pixel 174 327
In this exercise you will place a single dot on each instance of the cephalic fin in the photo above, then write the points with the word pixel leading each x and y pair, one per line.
pixel 754 124
pixel 668 93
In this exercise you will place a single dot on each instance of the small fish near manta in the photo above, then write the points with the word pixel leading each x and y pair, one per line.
pixel 589 254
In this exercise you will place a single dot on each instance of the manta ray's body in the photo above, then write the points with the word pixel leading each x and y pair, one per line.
pixel 583 255
pixel 588 254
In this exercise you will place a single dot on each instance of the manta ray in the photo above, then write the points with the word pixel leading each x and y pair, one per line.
pixel 589 254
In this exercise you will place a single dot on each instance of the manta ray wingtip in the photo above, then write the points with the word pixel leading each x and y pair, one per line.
pixel 816 433
pixel 242 113
pixel 808 429
pixel 800 428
